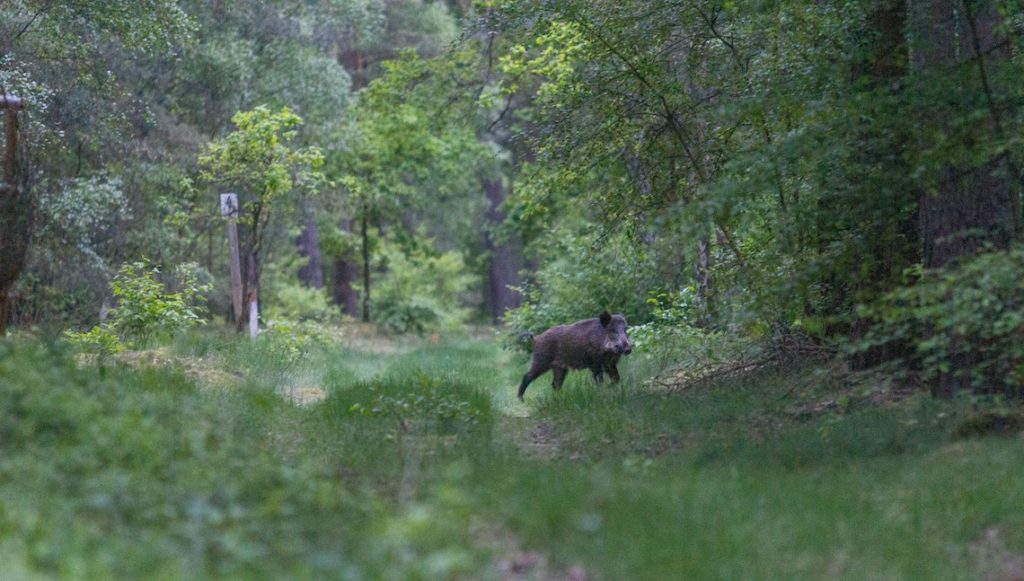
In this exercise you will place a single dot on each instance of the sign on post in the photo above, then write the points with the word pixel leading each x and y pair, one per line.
pixel 229 205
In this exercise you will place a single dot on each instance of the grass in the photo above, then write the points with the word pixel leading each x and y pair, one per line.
pixel 418 462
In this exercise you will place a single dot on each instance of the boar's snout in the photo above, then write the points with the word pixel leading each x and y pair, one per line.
pixel 623 347
pixel 618 346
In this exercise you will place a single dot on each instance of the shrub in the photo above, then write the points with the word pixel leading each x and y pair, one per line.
pixel 284 297
pixel 145 307
pixel 422 290
pixel 290 340
pixel 967 321
pixel 583 277
pixel 670 331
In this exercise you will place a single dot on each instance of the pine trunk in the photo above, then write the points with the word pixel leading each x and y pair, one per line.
pixel 311 274
pixel 502 270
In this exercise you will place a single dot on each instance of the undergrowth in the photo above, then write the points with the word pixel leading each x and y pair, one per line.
pixel 417 463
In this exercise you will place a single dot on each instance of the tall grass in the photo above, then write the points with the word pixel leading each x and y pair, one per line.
pixel 420 463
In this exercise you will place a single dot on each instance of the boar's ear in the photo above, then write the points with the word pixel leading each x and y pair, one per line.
pixel 606 318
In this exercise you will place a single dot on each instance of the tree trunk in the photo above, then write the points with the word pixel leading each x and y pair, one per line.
pixel 15 210
pixel 311 274
pixel 346 269
pixel 502 270
pixel 973 206
pixel 702 276
pixel 251 266
pixel 250 288
pixel 364 234
pixel 346 273
pixel 891 237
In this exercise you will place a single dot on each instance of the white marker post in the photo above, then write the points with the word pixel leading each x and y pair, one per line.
pixel 229 209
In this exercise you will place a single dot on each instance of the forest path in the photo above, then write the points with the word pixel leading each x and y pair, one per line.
pixel 518 426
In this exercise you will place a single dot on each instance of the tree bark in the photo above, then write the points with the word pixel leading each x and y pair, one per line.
pixel 346 273
pixel 311 274
pixel 346 269
pixel 702 276
pixel 502 270
pixel 891 237
pixel 364 234
pixel 251 264
pixel 15 210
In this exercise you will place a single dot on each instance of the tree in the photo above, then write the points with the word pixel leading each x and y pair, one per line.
pixel 64 58
pixel 410 155
pixel 259 161
pixel 375 32
pixel 970 202
pixel 15 206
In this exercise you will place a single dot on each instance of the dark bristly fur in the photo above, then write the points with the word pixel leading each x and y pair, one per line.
pixel 594 344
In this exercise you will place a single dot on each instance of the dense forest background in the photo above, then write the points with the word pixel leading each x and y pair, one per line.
pixel 826 178
pixel 809 212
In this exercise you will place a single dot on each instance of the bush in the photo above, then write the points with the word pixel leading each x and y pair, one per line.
pixel 967 321
pixel 288 340
pixel 145 307
pixel 583 277
pixel 671 331
pixel 421 290
pixel 284 297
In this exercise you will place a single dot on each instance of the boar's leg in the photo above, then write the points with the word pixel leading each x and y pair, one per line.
pixel 559 373
pixel 597 374
pixel 522 386
pixel 538 367
pixel 613 372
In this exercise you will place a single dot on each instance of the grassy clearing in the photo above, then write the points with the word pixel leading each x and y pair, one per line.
pixel 418 462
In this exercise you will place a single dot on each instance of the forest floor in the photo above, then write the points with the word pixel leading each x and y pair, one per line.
pixel 376 457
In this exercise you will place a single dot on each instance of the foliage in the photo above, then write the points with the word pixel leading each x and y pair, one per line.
pixel 96 460
pixel 965 321
pixel 424 399
pixel 672 333
pixel 584 274
pixel 144 473
pixel 258 159
pixel 284 297
pixel 100 340
pixel 296 302
pixel 261 160
pixel 145 308
pixel 289 340
pixel 800 146
pixel 422 289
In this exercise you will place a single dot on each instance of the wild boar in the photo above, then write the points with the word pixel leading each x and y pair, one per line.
pixel 594 344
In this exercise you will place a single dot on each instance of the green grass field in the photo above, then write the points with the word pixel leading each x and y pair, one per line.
pixel 214 457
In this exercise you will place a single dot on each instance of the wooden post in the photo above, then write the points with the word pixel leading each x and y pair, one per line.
pixel 254 315
pixel 229 209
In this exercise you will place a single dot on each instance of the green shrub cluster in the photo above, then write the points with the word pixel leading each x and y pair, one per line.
pixel 585 275
pixel 967 321
pixel 422 290
pixel 146 308
pixel 672 336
